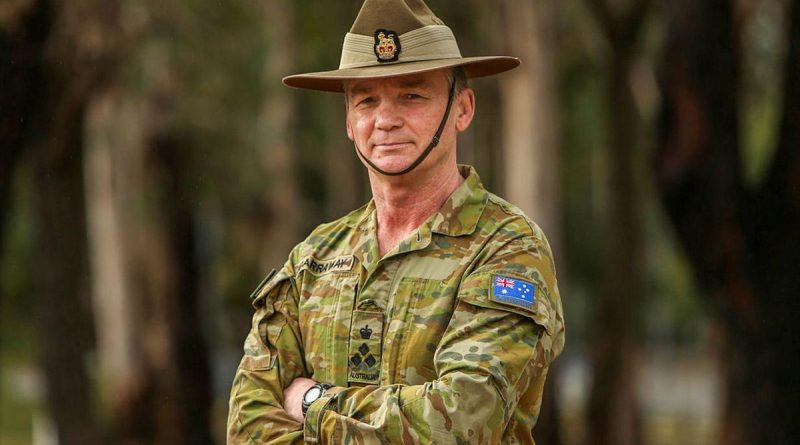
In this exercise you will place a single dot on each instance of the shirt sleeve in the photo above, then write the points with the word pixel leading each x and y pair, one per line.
pixel 491 354
pixel 272 359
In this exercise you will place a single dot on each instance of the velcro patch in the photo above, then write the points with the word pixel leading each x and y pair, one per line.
pixel 365 348
pixel 513 291
pixel 320 267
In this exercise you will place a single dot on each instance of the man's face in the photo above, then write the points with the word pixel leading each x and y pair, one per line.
pixel 392 120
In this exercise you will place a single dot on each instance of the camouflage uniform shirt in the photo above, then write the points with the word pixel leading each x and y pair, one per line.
pixel 424 345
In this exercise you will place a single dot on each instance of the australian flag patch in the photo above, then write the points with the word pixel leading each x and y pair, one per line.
pixel 513 291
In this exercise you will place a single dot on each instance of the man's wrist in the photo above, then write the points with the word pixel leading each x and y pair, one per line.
pixel 312 422
pixel 312 394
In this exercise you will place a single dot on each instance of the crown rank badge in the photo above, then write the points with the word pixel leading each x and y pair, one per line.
pixel 387 45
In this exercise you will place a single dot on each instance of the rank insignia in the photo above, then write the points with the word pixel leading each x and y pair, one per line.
pixel 513 291
pixel 387 45
pixel 364 351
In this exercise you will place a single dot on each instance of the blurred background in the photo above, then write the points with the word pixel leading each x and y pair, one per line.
pixel 153 169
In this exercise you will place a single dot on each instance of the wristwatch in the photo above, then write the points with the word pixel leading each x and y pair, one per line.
pixel 312 394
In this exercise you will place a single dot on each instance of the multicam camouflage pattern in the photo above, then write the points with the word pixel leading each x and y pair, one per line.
pixel 417 348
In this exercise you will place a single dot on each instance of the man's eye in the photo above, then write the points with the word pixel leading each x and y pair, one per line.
pixel 412 96
pixel 366 101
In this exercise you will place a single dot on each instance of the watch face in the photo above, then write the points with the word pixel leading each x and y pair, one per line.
pixel 312 394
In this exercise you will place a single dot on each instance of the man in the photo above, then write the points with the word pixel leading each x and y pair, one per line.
pixel 430 315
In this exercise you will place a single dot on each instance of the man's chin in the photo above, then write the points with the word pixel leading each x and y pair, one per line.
pixel 393 164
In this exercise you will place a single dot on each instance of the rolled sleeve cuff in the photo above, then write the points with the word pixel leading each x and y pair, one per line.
pixel 312 425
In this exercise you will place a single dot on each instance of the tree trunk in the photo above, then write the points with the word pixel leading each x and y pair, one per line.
pixel 744 244
pixel 44 106
pixel 60 243
pixel 531 143
pixel 531 115
pixel 614 414
pixel 176 348
pixel 21 77
pixel 62 285
pixel 153 353
pixel 281 195
pixel 613 409
pixel 109 130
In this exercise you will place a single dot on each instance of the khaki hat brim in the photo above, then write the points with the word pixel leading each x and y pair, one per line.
pixel 333 80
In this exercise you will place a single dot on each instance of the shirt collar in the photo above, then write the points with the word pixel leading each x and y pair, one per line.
pixel 458 215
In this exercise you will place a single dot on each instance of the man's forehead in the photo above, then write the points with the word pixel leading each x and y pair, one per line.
pixel 404 81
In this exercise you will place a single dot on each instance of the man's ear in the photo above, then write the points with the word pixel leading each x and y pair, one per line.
pixel 464 109
pixel 349 128
pixel 347 115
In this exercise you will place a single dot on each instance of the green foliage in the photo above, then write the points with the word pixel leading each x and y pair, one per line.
pixel 763 47
pixel 17 340
pixel 16 415
pixel 673 312
pixel 583 134
pixel 16 276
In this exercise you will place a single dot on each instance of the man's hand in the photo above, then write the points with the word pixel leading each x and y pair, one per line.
pixel 293 397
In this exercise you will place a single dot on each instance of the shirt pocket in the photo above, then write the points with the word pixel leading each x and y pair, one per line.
pixel 326 304
pixel 424 307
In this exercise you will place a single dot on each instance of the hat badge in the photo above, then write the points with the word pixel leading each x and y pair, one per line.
pixel 387 45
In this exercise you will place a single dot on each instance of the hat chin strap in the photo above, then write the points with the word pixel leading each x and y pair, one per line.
pixel 434 143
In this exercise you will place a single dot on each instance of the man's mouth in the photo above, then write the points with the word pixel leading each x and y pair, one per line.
pixel 390 145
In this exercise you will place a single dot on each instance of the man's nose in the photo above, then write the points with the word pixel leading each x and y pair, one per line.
pixel 388 116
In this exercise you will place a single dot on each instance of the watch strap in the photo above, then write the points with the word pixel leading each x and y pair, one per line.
pixel 322 388
pixel 312 424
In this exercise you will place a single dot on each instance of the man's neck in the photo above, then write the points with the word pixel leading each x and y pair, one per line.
pixel 403 205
